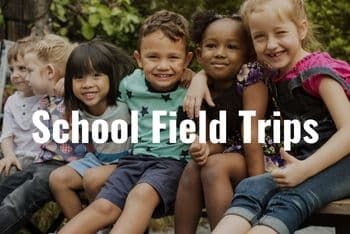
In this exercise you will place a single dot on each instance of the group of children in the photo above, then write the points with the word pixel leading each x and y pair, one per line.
pixel 247 59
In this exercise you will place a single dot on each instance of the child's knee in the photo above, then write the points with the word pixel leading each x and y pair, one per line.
pixel 143 193
pixel 211 171
pixel 104 207
pixel 190 175
pixel 59 178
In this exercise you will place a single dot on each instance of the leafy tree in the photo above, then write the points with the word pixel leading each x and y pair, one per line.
pixel 113 20
pixel 331 19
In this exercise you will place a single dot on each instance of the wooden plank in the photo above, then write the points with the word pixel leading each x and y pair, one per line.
pixel 341 207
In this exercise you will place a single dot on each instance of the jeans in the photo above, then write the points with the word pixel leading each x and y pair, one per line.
pixel 25 162
pixel 24 192
pixel 261 201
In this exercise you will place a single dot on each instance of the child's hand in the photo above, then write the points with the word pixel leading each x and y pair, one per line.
pixel 199 152
pixel 195 93
pixel 6 164
pixel 186 78
pixel 291 174
pixel 59 88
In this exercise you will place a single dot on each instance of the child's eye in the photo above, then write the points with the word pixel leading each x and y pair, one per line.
pixel 232 46
pixel 152 56
pixel 174 57
pixel 210 45
pixel 22 68
pixel 78 77
pixel 97 74
pixel 281 33
pixel 258 37
pixel 11 69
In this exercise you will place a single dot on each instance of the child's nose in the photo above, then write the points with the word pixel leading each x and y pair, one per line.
pixel 271 43
pixel 27 78
pixel 88 82
pixel 220 52
pixel 163 65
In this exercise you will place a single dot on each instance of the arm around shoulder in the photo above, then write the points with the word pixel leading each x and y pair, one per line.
pixel 255 97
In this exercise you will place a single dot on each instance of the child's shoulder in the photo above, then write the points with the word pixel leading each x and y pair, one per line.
pixel 136 75
pixel 320 60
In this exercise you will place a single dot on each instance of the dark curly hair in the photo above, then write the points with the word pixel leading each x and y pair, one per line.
pixel 171 24
pixel 201 20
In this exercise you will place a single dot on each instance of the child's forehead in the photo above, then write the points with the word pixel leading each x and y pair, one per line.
pixel 31 58
pixel 158 41
pixel 18 60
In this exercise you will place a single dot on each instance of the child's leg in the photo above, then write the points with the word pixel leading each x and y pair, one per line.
pixel 139 207
pixel 219 175
pixel 22 202
pixel 64 182
pixel 232 224
pixel 261 229
pixel 288 209
pixel 189 200
pixel 95 178
pixel 97 215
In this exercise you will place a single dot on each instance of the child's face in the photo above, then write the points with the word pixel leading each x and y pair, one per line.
pixel 162 60
pixel 37 76
pixel 223 49
pixel 276 38
pixel 92 90
pixel 18 75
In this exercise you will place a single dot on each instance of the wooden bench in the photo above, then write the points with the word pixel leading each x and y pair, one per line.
pixel 335 214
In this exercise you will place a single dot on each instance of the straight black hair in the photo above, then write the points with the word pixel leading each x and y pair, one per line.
pixel 96 57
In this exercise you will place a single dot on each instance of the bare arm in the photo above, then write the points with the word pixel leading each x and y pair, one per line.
pixel 255 97
pixel 332 151
pixel 197 91
pixel 338 145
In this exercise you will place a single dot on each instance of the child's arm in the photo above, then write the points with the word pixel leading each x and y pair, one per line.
pixel 10 158
pixel 200 151
pixel 197 91
pixel 337 147
pixel 186 78
pixel 255 97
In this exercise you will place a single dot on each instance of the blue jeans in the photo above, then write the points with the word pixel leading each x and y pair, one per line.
pixel 24 192
pixel 261 201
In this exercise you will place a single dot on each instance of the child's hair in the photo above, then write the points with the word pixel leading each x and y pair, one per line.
pixel 96 57
pixel 296 12
pixel 172 25
pixel 201 21
pixel 19 47
pixel 52 49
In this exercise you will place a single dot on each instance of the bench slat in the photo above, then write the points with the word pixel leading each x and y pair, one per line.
pixel 341 207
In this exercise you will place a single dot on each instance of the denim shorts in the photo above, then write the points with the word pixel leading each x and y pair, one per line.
pixel 261 201
pixel 163 174
pixel 85 163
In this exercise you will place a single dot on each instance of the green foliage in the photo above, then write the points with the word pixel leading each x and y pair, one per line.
pixel 118 20
pixel 1 18
pixel 113 20
pixel 331 19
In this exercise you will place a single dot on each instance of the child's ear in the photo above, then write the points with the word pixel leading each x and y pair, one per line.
pixel 51 71
pixel 137 56
pixel 188 59
pixel 303 28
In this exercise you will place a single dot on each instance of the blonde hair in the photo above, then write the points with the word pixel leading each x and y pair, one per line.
pixel 19 47
pixel 296 11
pixel 53 49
